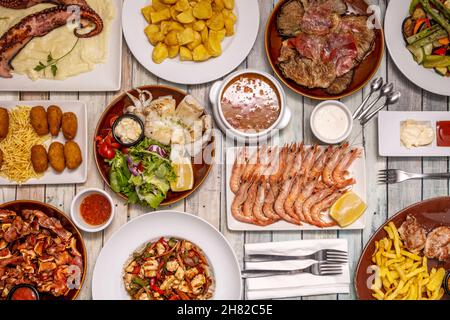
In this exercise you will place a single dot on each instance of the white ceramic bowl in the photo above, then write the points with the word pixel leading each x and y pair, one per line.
pixel 348 114
pixel 215 95
pixel 75 210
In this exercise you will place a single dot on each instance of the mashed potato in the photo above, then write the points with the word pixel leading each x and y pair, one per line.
pixel 83 58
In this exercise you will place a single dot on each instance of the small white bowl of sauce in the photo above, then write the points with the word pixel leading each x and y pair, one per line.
pixel 92 210
pixel 249 105
pixel 331 122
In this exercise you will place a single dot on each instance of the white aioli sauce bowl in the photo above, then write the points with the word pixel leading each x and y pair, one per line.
pixel 317 131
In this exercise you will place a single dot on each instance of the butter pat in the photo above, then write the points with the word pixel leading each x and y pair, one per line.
pixel 416 134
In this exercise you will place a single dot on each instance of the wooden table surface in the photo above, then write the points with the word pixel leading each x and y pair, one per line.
pixel 209 201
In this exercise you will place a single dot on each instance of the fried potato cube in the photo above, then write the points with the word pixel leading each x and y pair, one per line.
pixel 200 53
pixel 185 54
pixel 173 13
pixel 159 5
pixel 229 14
pixel 229 4
pixel 54 118
pixel 169 1
pixel 218 6
pixel 69 125
pixel 38 120
pixel 173 51
pixel 171 38
pixel 174 25
pixel 146 11
pixel 4 123
pixel 182 5
pixel 56 156
pixel 219 35
pixel 39 158
pixel 159 16
pixel 186 16
pixel 160 53
pixel 216 22
pixel 72 155
pixel 204 34
pixel 165 27
pixel 154 37
pixel 186 36
pixel 197 41
pixel 229 27
pixel 199 25
pixel 202 10
pixel 214 46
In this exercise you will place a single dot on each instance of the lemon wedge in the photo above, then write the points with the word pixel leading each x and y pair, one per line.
pixel 347 209
pixel 185 176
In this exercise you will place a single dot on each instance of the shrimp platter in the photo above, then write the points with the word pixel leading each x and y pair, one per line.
pixel 291 187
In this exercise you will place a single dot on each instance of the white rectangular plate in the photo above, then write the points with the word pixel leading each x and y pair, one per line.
pixel 67 176
pixel 357 170
pixel 389 144
pixel 105 77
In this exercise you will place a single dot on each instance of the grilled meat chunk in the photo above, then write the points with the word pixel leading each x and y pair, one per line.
pixel 413 234
pixel 437 244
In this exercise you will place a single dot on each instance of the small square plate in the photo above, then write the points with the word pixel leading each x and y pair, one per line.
pixel 389 144
pixel 78 175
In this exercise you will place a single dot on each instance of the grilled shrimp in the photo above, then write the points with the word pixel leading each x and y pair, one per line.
pixel 252 164
pixel 287 171
pixel 239 199
pixel 327 174
pixel 279 166
pixel 247 207
pixel 312 200
pixel 320 163
pixel 258 213
pixel 269 201
pixel 341 169
pixel 324 205
pixel 238 169
pixel 306 192
pixel 296 188
pixel 279 202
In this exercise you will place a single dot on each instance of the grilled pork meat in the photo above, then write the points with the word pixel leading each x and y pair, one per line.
pixel 289 18
pixel 437 244
pixel 413 234
pixel 340 84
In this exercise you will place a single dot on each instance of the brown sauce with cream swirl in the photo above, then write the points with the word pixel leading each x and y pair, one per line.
pixel 251 103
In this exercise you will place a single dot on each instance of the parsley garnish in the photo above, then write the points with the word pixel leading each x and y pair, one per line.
pixel 52 63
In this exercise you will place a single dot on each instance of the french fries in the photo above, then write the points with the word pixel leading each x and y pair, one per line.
pixel 403 275
pixel 191 29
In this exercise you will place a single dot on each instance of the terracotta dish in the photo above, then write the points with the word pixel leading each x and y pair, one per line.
pixel 51 211
pixel 116 107
pixel 429 213
pixel 362 73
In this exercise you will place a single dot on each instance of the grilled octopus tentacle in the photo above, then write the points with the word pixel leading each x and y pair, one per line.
pixel 38 25
pixel 23 4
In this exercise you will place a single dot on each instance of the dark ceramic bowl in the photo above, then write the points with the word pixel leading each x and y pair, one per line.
pixel 32 288
pixel 135 118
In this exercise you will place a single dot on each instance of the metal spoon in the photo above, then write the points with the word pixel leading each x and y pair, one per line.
pixel 391 98
pixel 375 85
pixel 385 90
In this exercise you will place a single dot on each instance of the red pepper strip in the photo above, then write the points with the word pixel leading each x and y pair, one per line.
pixel 174 297
pixel 419 23
pixel 136 270
pixel 155 288
pixel 440 51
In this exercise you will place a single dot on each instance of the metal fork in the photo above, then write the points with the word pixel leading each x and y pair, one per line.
pixel 395 176
pixel 328 255
pixel 318 269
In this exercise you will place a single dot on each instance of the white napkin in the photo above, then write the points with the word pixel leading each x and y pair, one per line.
pixel 304 284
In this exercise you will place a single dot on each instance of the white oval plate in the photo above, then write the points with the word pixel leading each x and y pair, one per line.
pixel 235 48
pixel 107 282
pixel 427 79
